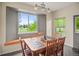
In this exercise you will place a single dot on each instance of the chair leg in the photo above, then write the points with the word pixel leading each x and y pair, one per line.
pixel 62 53
pixel 56 54
pixel 23 54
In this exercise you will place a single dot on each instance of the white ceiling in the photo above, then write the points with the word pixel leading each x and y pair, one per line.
pixel 53 5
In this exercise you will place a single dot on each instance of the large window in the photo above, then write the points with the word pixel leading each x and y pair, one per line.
pixel 27 22
pixel 76 23
pixel 60 25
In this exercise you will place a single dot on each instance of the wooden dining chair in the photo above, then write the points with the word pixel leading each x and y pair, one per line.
pixel 60 46
pixel 56 35
pixel 51 48
pixel 25 50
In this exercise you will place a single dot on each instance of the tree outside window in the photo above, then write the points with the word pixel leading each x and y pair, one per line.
pixel 60 25
pixel 76 23
pixel 27 22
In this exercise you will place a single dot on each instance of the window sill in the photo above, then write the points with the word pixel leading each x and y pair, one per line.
pixel 27 33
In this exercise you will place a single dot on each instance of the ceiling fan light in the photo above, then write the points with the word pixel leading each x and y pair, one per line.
pixel 36 7
pixel 42 7
pixel 48 10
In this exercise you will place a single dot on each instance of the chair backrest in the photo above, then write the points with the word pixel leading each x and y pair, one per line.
pixel 51 47
pixel 39 36
pixel 61 43
pixel 22 45
pixel 56 35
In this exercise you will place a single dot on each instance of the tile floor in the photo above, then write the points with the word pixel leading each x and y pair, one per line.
pixel 68 51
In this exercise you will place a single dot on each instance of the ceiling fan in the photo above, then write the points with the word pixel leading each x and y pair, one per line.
pixel 43 7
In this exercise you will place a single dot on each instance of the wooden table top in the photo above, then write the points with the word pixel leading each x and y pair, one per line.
pixel 35 44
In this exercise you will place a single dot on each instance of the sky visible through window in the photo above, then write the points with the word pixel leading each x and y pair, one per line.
pixel 23 18
pixel 27 22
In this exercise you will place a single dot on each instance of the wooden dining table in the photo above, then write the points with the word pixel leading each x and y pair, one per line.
pixel 36 46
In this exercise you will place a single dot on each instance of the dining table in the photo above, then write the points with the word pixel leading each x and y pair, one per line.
pixel 36 46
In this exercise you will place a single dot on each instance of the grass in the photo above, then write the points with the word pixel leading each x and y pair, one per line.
pixel 31 28
pixel 23 30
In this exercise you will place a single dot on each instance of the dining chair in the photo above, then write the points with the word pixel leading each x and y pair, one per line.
pixel 25 50
pixel 56 35
pixel 60 46
pixel 51 48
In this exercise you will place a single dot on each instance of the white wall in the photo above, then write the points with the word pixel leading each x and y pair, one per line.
pixel 0 31
pixel 24 7
pixel 0 19
pixel 41 23
pixel 11 24
pixel 19 6
pixel 68 13
pixel 11 48
pixel 49 24
pixel 2 26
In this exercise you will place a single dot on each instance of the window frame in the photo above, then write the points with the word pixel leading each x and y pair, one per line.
pixel 74 20
pixel 28 18
pixel 60 27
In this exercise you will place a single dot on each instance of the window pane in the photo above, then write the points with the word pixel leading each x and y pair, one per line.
pixel 57 29
pixel 60 25
pixel 23 22
pixel 60 22
pixel 27 22
pixel 32 23
pixel 77 23
pixel 62 29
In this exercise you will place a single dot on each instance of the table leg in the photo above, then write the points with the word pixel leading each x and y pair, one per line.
pixel 35 54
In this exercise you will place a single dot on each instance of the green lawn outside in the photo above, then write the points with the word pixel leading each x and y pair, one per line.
pixel 31 28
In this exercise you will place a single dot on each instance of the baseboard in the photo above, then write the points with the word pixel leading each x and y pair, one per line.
pixel 11 53
pixel 69 45
pixel 75 49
